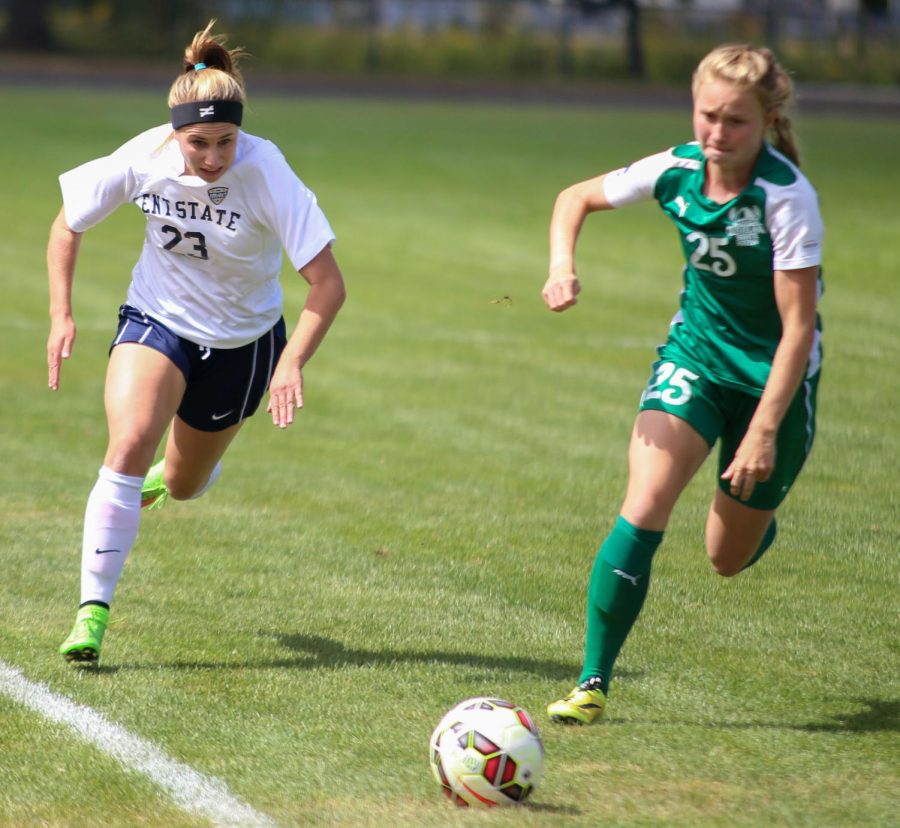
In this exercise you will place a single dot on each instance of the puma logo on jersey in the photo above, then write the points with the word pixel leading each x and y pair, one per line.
pixel 682 206
pixel 627 577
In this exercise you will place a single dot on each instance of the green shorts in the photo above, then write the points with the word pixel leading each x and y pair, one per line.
pixel 720 413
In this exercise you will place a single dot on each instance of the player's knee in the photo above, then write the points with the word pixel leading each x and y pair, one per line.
pixel 182 490
pixel 727 561
pixel 179 493
pixel 730 555
pixel 181 487
pixel 128 454
pixel 647 509
pixel 725 567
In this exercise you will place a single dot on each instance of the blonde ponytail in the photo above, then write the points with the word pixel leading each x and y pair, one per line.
pixel 210 71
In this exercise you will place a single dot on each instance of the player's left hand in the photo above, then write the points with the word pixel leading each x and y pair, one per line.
pixel 285 394
pixel 753 462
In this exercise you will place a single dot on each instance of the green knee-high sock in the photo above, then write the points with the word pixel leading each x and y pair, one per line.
pixel 767 541
pixel 618 586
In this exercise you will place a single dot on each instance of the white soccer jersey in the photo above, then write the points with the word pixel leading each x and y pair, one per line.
pixel 212 252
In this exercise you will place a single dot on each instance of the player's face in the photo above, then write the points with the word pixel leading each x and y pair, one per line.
pixel 729 123
pixel 208 149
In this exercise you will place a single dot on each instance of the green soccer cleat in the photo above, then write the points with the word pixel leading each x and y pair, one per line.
pixel 584 705
pixel 154 492
pixel 82 647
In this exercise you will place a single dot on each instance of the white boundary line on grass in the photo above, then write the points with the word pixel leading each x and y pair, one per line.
pixel 193 792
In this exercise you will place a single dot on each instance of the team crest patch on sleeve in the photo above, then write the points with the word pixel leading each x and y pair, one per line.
pixel 745 226
pixel 217 194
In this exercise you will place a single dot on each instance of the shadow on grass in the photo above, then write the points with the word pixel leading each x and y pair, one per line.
pixel 319 651
pixel 332 653
pixel 881 717
pixel 542 808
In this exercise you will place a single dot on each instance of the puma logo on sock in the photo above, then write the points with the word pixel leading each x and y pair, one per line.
pixel 627 577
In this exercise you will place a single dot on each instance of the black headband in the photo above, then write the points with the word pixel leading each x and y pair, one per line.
pixel 205 112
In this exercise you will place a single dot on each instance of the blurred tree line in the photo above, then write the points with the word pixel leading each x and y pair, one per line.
pixel 127 28
pixel 29 27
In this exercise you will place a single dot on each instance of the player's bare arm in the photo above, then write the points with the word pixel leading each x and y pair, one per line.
pixel 324 300
pixel 795 295
pixel 62 253
pixel 569 212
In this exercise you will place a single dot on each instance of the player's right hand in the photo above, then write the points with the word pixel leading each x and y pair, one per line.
pixel 561 292
pixel 59 347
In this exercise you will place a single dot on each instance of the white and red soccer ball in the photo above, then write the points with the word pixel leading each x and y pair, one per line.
pixel 487 751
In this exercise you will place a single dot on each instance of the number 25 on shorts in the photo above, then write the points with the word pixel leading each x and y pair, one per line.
pixel 670 384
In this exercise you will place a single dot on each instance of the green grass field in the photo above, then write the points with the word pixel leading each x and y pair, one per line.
pixel 425 532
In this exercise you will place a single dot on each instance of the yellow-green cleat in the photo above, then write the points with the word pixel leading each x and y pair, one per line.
pixel 154 492
pixel 584 705
pixel 82 647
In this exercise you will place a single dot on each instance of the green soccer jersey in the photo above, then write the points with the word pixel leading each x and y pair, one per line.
pixel 728 324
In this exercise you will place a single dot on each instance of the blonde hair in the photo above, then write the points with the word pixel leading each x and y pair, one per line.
pixel 755 69
pixel 218 80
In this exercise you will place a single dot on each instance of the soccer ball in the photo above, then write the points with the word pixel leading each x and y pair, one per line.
pixel 487 751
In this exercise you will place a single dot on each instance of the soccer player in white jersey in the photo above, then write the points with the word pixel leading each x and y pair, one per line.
pixel 201 335
pixel 741 363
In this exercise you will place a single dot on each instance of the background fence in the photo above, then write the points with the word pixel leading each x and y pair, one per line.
pixel 821 40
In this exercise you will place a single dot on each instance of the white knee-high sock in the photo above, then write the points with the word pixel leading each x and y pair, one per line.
pixel 110 526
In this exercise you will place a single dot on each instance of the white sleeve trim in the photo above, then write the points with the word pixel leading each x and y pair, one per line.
pixel 637 181
pixel 291 210
pixel 94 190
pixel 795 225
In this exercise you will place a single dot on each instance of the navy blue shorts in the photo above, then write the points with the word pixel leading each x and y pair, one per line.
pixel 224 385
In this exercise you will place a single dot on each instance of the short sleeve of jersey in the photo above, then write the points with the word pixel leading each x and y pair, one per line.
pixel 94 190
pixel 292 211
pixel 795 225
pixel 637 181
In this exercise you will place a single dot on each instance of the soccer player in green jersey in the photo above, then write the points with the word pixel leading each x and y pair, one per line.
pixel 741 363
